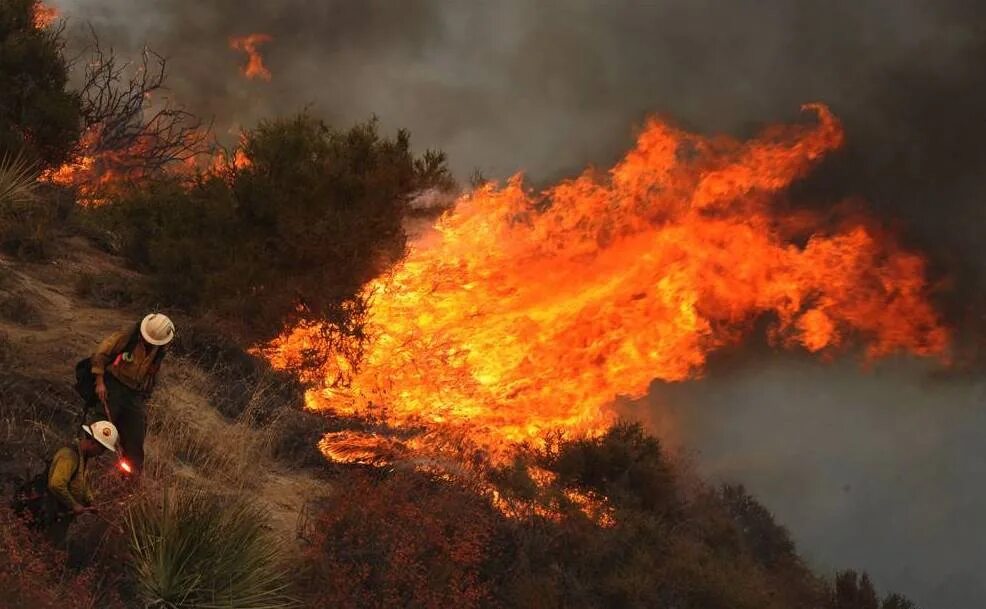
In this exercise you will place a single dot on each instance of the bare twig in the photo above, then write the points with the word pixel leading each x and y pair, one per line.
pixel 123 124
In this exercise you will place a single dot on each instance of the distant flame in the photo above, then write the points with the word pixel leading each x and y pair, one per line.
pixel 125 466
pixel 248 44
pixel 97 174
pixel 44 15
pixel 526 312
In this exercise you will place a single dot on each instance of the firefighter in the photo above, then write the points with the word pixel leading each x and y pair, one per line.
pixel 121 375
pixel 68 492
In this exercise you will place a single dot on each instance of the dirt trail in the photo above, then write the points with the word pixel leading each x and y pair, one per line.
pixel 63 328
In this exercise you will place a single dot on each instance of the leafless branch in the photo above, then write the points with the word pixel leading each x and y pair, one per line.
pixel 128 119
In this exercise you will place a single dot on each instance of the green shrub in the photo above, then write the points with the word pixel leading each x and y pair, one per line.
pixel 37 113
pixel 769 542
pixel 625 464
pixel 292 236
pixel 295 434
pixel 192 549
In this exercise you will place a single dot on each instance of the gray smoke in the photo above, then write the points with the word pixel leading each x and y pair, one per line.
pixel 878 472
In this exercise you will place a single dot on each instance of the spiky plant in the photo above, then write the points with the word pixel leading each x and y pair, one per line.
pixel 18 179
pixel 197 550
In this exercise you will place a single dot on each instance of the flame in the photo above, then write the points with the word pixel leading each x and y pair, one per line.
pixel 92 173
pixel 367 449
pixel 125 466
pixel 44 15
pixel 526 312
pixel 593 506
pixel 97 173
pixel 248 44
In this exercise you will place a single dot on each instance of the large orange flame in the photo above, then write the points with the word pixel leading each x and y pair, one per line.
pixel 248 44
pixel 526 312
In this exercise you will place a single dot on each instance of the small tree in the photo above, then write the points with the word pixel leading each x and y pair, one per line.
pixel 854 592
pixel 289 234
pixel 625 464
pixel 768 541
pixel 38 115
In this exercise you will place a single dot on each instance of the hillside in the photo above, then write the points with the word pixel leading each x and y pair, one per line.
pixel 46 326
pixel 350 420
pixel 673 542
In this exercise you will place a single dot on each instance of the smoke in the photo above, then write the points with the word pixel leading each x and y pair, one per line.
pixel 548 87
pixel 878 470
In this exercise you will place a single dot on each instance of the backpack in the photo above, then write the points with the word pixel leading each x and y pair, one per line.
pixel 85 382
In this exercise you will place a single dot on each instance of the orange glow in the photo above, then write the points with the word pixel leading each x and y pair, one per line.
pixel 90 173
pixel 125 466
pixel 248 44
pixel 96 174
pixel 525 312
pixel 226 160
pixel 44 15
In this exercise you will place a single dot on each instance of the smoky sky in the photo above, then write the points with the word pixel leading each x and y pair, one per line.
pixel 879 470
pixel 549 87
pixel 552 86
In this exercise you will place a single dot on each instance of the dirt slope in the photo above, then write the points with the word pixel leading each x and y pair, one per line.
pixel 47 328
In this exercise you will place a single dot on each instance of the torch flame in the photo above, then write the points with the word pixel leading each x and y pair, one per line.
pixel 125 466
pixel 248 44
pixel 526 312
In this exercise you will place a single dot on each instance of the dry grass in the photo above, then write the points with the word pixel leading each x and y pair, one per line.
pixel 185 429
pixel 112 290
pixel 19 309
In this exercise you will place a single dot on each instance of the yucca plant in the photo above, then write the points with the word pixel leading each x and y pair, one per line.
pixel 194 550
pixel 18 179
pixel 26 220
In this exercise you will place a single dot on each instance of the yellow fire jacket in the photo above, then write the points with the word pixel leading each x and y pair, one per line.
pixel 134 369
pixel 67 478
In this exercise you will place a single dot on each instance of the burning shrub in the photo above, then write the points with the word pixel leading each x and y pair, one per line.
pixel 37 113
pixel 196 550
pixel 405 541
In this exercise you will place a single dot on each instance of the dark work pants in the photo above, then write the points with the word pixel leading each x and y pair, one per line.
pixel 128 413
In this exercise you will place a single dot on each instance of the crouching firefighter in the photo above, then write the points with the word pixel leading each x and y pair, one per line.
pixel 120 376
pixel 55 497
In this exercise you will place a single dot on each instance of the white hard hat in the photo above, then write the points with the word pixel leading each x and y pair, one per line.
pixel 103 432
pixel 157 329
